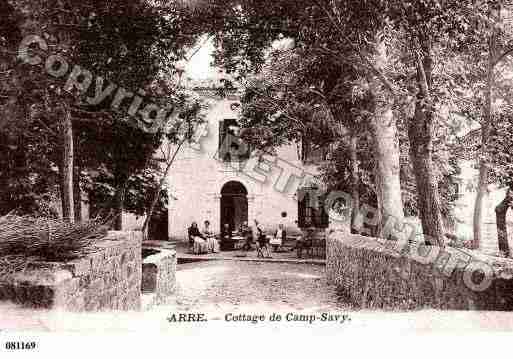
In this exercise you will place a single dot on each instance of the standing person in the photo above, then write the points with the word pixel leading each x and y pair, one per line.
pixel 247 233
pixel 192 233
pixel 261 240
pixel 212 245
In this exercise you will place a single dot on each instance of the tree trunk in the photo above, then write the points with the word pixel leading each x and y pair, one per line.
pixel 386 149
pixel 502 230
pixel 386 155
pixel 420 133
pixel 156 197
pixel 355 181
pixel 428 202
pixel 482 188
pixel 67 169
pixel 153 204
pixel 119 207
pixel 478 205
pixel 77 195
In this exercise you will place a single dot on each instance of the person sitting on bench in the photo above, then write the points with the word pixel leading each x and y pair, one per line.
pixel 305 241
pixel 197 240
pixel 279 237
pixel 208 234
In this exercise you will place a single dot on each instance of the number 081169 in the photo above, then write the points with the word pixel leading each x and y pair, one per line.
pixel 20 345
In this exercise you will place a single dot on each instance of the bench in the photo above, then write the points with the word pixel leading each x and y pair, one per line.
pixel 313 246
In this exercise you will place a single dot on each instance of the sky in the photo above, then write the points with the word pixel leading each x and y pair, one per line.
pixel 199 66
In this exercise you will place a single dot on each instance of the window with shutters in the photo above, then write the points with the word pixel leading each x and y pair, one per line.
pixel 313 154
pixel 311 208
pixel 231 147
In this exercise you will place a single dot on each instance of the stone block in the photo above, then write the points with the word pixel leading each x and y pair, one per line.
pixel 76 303
pixel 158 274
pixel 97 286
pixel 96 260
pixel 78 267
pixel 85 281
pixel 71 286
pixel 92 304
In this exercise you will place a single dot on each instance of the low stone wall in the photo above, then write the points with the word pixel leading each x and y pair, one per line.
pixel 108 279
pixel 374 274
pixel 158 274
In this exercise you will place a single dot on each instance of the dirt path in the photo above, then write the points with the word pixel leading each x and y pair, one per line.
pixel 231 285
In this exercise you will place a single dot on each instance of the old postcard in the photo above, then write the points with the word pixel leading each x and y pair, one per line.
pixel 179 168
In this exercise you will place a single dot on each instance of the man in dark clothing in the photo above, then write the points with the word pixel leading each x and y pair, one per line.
pixel 248 237
pixel 194 231
pixel 227 243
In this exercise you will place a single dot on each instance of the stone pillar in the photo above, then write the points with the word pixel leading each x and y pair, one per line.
pixel 251 209
pixel 216 211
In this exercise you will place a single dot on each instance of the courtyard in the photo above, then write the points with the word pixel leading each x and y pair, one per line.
pixel 226 291
pixel 225 286
pixel 213 288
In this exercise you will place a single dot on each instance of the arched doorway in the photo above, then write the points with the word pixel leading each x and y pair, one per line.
pixel 234 205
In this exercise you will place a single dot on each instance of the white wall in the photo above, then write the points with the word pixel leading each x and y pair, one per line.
pixel 196 179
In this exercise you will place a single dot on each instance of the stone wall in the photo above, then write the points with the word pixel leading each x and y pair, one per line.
pixel 158 275
pixel 108 279
pixel 370 274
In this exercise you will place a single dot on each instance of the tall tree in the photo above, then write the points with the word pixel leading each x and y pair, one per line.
pixel 250 28
pixel 500 145
pixel 499 44
pixel 132 44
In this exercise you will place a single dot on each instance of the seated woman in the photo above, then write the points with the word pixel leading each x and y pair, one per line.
pixel 208 234
pixel 279 237
pixel 305 241
pixel 197 240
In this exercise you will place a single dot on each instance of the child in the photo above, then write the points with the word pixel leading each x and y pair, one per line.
pixel 262 241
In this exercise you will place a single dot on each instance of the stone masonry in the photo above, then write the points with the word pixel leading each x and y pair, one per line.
pixel 158 275
pixel 107 279
pixel 369 274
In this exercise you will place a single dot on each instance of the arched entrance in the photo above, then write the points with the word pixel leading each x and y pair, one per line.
pixel 234 205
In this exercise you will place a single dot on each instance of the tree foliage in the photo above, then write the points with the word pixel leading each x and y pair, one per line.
pixel 131 44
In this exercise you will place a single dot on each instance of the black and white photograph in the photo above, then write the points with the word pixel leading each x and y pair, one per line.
pixel 199 168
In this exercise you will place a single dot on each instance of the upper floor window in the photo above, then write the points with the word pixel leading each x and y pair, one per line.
pixel 231 147
pixel 311 153
pixel 311 208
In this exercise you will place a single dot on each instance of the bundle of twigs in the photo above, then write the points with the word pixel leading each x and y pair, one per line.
pixel 48 239
pixel 11 264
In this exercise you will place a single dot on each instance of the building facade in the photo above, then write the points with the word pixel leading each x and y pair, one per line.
pixel 205 184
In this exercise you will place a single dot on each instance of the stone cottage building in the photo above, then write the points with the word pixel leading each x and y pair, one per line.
pixel 215 177
pixel 207 184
